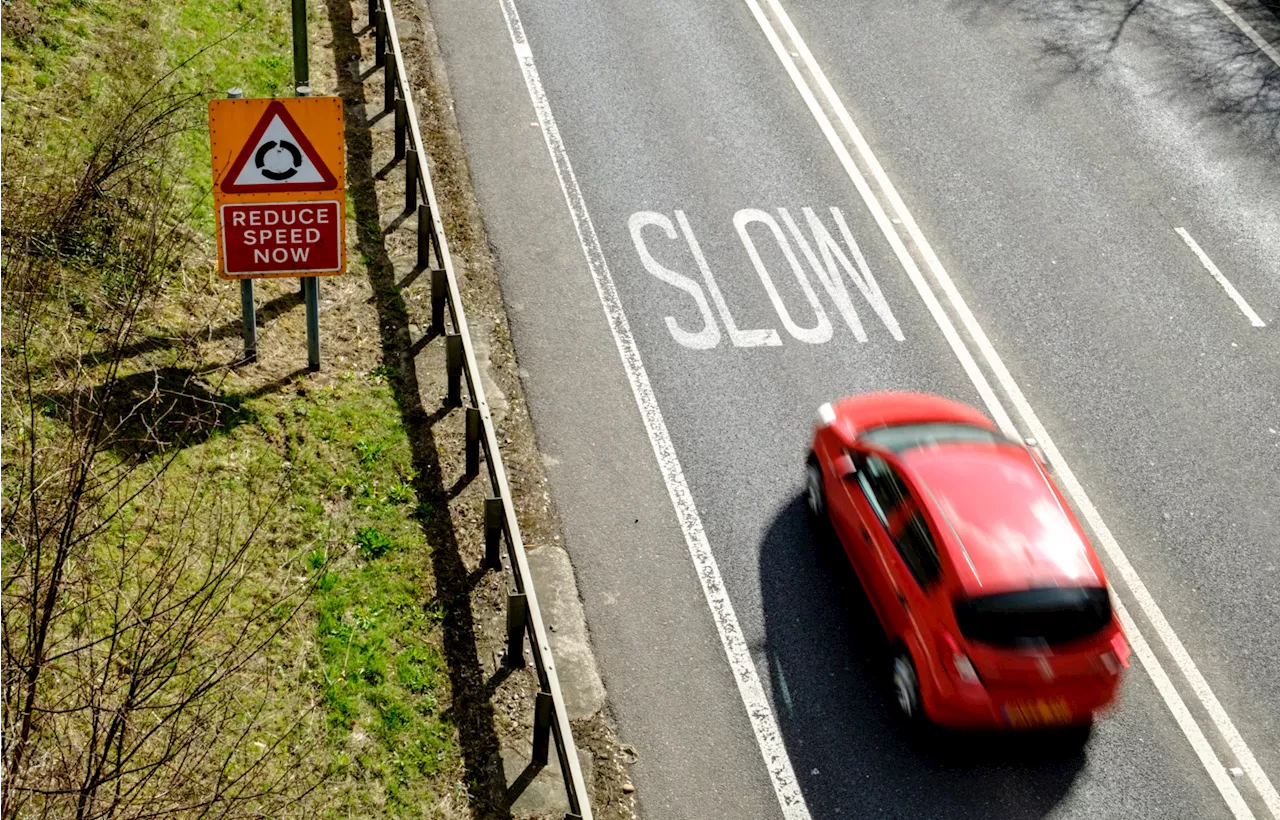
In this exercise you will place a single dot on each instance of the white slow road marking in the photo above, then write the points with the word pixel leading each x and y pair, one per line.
pixel 1254 319
pixel 763 722
pixel 1248 31
pixel 1066 477
pixel 761 715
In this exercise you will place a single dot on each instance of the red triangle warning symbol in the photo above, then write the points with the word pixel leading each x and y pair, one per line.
pixel 277 157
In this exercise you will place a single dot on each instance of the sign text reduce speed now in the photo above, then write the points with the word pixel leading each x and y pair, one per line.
pixel 281 237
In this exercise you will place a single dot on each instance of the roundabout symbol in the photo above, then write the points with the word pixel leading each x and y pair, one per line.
pixel 268 159
pixel 276 155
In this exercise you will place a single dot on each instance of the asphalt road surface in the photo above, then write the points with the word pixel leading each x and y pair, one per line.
pixel 1066 212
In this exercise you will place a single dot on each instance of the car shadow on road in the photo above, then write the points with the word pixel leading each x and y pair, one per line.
pixel 824 662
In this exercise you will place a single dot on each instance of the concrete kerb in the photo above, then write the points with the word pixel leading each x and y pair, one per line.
pixel 580 683
pixel 538 792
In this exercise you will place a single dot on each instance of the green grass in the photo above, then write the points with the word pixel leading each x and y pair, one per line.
pixel 70 63
pixel 368 639
pixel 379 668
pixel 242 43
pixel 351 520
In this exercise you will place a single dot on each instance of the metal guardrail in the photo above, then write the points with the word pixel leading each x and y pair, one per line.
pixel 523 615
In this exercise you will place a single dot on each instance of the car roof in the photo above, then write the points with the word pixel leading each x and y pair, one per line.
pixel 896 407
pixel 1003 524
pixel 855 414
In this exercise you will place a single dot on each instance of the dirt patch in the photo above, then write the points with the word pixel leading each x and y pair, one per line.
pixel 20 18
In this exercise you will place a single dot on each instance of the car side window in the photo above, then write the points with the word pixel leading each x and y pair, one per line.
pixel 901 516
pixel 872 471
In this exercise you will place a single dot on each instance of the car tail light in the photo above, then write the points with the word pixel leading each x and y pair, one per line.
pixel 964 668
pixel 1117 657
pixel 961 666
pixel 1121 649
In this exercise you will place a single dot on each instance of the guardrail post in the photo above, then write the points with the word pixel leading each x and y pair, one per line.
pixel 389 85
pixel 439 292
pixel 424 237
pixel 517 617
pixel 373 10
pixel 473 441
pixel 411 182
pixel 401 127
pixel 493 533
pixel 379 39
pixel 541 727
pixel 453 368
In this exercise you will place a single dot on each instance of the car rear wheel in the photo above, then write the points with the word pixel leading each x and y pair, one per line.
pixel 815 493
pixel 906 689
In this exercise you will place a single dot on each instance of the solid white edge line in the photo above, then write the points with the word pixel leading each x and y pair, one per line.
pixel 1254 319
pixel 1217 772
pixel 759 712
pixel 1248 31
pixel 1110 546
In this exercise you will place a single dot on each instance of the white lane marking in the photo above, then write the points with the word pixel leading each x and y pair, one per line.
pixel 1248 31
pixel 1110 546
pixel 763 723
pixel 740 338
pixel 1165 686
pixel 703 339
pixel 1254 319
pixel 882 220
pixel 821 330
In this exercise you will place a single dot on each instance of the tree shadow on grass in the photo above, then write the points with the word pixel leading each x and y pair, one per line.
pixel 153 411
pixel 266 312
pixel 148 412
pixel 471 711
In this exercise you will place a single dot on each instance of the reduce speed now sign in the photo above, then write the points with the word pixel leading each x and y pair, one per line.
pixel 278 186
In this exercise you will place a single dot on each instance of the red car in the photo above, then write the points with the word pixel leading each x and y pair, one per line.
pixel 988 589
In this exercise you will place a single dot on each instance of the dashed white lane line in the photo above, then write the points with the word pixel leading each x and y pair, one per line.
pixel 1254 319
pixel 761 716
pixel 759 712
pixel 1135 585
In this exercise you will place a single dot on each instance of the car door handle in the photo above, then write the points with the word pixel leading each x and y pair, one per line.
pixel 866 536
pixel 902 599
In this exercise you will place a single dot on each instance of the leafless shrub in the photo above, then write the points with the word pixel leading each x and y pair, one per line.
pixel 143 622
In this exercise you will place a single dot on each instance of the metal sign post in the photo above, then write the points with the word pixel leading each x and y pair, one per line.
pixel 301 68
pixel 280 196
pixel 310 284
pixel 301 71
pixel 248 309
pixel 301 82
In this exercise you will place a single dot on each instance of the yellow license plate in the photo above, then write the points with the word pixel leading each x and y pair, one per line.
pixel 1033 713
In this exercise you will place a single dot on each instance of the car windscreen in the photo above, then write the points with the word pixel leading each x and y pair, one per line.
pixel 906 436
pixel 1035 616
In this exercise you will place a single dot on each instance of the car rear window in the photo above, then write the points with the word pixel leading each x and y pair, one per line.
pixel 906 436
pixel 1034 616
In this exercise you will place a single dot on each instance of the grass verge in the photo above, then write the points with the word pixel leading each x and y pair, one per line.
pixel 299 491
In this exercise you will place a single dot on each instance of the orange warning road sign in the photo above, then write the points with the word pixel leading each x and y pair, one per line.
pixel 279 186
